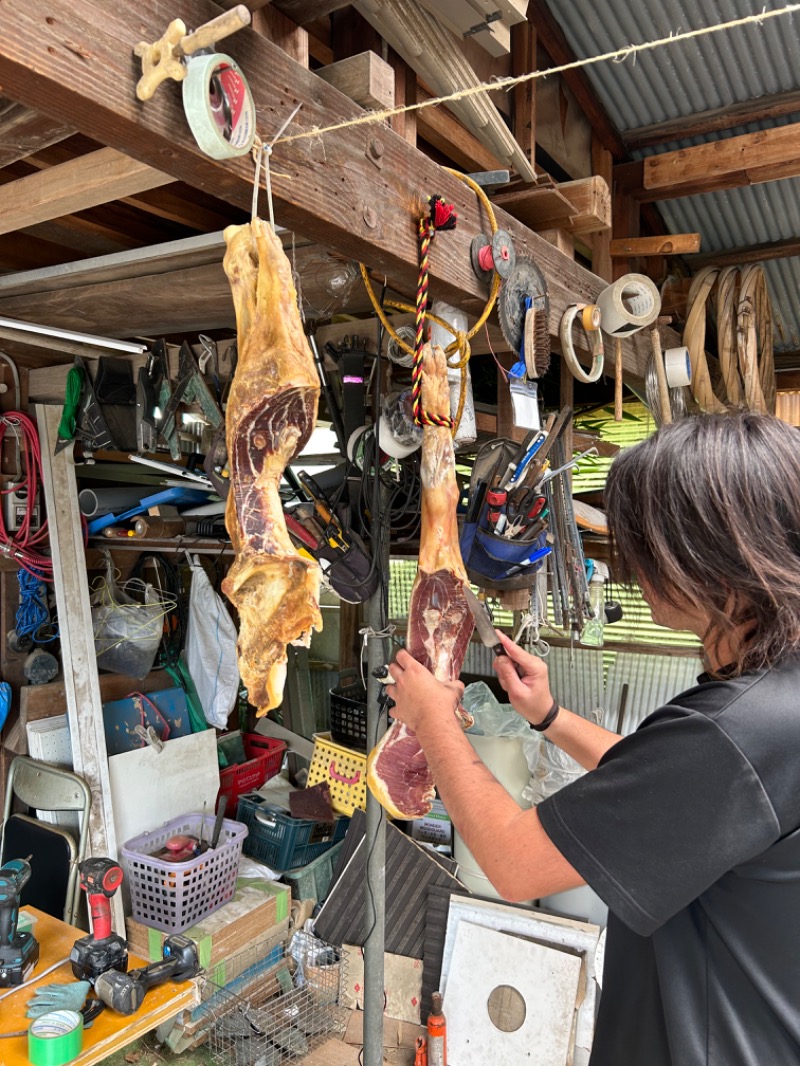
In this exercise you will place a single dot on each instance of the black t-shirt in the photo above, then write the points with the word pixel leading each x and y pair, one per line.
pixel 688 830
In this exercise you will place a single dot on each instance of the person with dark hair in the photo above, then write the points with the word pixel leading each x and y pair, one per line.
pixel 689 828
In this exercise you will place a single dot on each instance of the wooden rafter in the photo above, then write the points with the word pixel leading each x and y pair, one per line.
pixel 674 244
pixel 84 182
pixel 24 132
pixel 749 159
pixel 748 253
pixel 719 118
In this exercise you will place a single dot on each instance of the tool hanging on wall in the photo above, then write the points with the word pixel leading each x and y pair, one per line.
pixel 216 97
pixel 523 308
pixel 189 388
pixel 88 422
pixel 589 321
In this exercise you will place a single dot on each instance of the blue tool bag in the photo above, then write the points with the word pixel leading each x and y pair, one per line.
pixel 492 559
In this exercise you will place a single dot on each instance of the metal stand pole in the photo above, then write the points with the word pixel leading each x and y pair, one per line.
pixel 375 843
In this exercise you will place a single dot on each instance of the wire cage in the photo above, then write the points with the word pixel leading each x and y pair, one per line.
pixel 278 1010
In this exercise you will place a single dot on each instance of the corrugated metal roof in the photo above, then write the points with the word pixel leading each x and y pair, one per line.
pixel 689 76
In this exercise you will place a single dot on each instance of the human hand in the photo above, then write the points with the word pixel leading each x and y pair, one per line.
pixel 417 694
pixel 524 677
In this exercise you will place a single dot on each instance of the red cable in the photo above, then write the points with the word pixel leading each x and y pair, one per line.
pixel 20 547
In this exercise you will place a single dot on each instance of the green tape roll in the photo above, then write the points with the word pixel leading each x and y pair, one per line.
pixel 55 1038
pixel 218 106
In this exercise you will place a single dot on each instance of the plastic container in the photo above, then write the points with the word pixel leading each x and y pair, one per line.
pixel 283 842
pixel 313 880
pixel 345 771
pixel 349 715
pixel 173 896
pixel 264 759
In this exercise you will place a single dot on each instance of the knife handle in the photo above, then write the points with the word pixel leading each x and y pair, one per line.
pixel 499 650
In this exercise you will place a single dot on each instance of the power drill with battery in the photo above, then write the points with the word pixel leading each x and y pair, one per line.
pixel 102 950
pixel 125 992
pixel 19 952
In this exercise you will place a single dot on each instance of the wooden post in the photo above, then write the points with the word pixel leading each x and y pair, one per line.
pixel 82 687
pixel 602 165
pixel 523 61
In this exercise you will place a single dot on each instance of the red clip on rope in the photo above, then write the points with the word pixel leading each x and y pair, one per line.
pixel 442 216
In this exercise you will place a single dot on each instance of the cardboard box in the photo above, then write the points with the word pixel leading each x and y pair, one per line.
pixel 402 979
pixel 435 827
pixel 256 908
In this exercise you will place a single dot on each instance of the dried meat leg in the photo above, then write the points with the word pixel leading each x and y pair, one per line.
pixel 439 621
pixel 271 412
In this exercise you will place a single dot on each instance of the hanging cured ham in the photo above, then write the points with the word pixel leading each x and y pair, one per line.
pixel 271 412
pixel 439 621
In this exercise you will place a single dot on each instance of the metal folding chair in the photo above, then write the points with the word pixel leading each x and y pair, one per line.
pixel 55 852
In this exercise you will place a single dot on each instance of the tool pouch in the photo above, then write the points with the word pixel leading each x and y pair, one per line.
pixel 350 573
pixel 490 559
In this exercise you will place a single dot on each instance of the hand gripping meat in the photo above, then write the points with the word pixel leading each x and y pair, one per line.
pixel 271 412
pixel 439 621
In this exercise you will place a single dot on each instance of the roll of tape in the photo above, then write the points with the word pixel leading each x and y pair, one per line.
pixel 56 1038
pixel 629 305
pixel 678 366
pixel 219 107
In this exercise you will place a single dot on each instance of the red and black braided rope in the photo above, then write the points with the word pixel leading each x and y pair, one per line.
pixel 442 216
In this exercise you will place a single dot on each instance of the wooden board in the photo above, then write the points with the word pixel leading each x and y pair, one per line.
pixel 582 206
pixel 148 788
pixel 84 182
pixel 365 78
pixel 110 1032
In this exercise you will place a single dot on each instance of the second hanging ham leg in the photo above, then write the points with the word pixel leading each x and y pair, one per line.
pixel 439 621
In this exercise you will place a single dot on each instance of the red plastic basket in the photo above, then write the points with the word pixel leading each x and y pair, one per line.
pixel 264 758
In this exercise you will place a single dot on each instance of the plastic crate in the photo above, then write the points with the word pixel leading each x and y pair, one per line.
pixel 313 880
pixel 345 771
pixel 264 759
pixel 173 896
pixel 283 842
pixel 349 715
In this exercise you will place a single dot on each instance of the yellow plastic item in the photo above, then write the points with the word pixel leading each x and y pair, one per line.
pixel 345 771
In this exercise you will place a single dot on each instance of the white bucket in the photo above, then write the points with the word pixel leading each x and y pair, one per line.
pixel 505 758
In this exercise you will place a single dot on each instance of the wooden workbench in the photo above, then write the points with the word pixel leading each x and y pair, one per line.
pixel 110 1031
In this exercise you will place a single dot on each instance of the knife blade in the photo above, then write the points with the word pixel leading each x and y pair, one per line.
pixel 483 622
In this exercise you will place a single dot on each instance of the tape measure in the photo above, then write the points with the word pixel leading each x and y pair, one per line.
pixel 219 106
pixel 56 1038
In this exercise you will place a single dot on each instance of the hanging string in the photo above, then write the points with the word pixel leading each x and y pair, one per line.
pixel 618 55
pixel 261 156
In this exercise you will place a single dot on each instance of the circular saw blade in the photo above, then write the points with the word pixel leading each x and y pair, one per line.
pixel 526 279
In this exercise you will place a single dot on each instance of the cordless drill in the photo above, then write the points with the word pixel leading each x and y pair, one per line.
pixel 125 992
pixel 19 952
pixel 101 950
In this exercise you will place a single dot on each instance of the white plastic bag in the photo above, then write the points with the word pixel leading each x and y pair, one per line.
pixel 211 649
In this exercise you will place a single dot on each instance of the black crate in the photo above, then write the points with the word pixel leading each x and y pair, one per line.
pixel 349 715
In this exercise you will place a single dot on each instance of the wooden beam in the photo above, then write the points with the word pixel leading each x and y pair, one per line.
pixel 84 182
pixel 523 60
pixel 702 123
pixel 444 132
pixel 603 165
pixel 748 253
pixel 365 78
pixel 283 31
pixel 372 215
pixel 186 299
pixel 749 159
pixel 303 11
pixel 554 41
pixel 582 206
pixel 675 244
pixel 24 132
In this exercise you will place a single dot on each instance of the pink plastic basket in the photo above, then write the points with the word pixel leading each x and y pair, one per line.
pixel 173 896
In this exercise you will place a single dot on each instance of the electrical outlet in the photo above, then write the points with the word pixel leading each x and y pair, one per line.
pixel 15 507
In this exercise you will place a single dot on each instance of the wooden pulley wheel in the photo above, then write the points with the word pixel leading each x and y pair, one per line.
pixel 755 342
pixel 694 337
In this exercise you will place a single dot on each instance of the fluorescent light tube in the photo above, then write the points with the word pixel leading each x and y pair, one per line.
pixel 70 335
